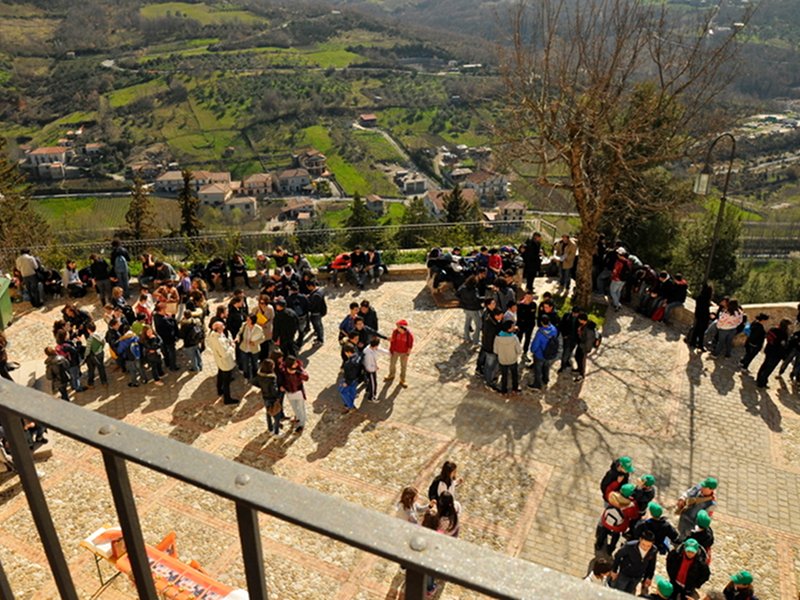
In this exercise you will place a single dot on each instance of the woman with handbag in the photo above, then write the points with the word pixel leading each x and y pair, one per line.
pixel 267 380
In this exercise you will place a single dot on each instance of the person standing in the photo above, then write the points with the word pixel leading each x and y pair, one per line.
pixel 349 382
pixel 617 475
pixel 249 343
pixel 698 497
pixel 265 317
pixel 293 383
pixel 400 346
pixel 167 329
pixel 472 303
pixel 526 321
pixel 567 252
pixel 664 534
pixel 28 265
pixel 775 350
pixel 370 364
pixel 487 359
pixel 57 372
pixel 544 348
pixel 755 341
pixel 687 567
pixel 615 519
pixel 222 348
pixel 100 273
pixel 587 342
pixel 508 349
pixel 285 327
pixel 317 309
pixel 634 563
pixel 703 533
pixel 532 258
pixel 740 587
pixel 568 328
pixel 130 351
pixel 193 335
pixel 619 277
pixel 120 261
pixel 702 316
pixel 94 355
pixel 267 381
pixel 152 347
pixel 727 323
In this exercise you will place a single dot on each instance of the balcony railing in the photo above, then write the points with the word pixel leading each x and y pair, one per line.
pixel 421 551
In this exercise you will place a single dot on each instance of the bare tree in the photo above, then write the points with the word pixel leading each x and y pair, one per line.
pixel 600 91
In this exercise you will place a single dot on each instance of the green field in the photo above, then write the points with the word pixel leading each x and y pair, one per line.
pixel 125 96
pixel 204 14
pixel 379 148
pixel 98 213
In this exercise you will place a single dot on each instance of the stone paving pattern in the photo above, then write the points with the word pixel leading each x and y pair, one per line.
pixel 531 464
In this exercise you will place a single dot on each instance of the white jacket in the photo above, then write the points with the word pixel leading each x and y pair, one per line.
pixel 250 339
pixel 224 352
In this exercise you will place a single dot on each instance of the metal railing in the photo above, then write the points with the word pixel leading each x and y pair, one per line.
pixel 421 551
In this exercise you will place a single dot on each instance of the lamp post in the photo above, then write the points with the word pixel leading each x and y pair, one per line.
pixel 702 186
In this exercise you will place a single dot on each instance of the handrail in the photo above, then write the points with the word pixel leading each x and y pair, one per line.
pixel 420 550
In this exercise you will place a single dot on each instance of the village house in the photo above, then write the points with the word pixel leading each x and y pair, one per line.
pixel 509 212
pixel 368 120
pixel 247 204
pixel 203 178
pixel 171 182
pixel 458 175
pixel 258 185
pixel 489 186
pixel 295 207
pixel 413 184
pixel 47 155
pixel 292 181
pixel 375 204
pixel 94 149
pixel 215 194
pixel 312 160
pixel 435 201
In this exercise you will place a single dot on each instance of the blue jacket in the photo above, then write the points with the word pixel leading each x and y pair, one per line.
pixel 543 334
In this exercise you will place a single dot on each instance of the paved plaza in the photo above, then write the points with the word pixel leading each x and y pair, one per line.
pixel 531 463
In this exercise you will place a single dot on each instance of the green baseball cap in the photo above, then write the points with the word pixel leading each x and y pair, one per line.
pixel 627 489
pixel 655 509
pixel 703 519
pixel 648 480
pixel 665 588
pixel 742 578
pixel 709 482
pixel 627 463
pixel 691 545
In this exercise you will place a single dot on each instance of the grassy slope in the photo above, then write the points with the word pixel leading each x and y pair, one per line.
pixel 101 213
pixel 206 15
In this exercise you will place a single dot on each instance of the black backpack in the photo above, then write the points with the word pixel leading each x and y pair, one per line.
pixel 551 349
pixel 71 354
pixel 433 489
pixel 194 334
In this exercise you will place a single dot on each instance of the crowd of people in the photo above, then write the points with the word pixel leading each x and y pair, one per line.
pixel 505 320
pixel 630 511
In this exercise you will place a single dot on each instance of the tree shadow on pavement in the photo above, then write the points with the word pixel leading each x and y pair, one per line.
pixel 457 366
pixel 333 427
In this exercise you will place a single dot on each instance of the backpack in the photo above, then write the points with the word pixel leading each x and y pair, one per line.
pixel 120 264
pixel 70 352
pixel 133 351
pixel 194 334
pixel 129 314
pixel 740 327
pixel 551 349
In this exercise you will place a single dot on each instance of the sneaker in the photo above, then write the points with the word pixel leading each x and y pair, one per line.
pixel 577 378
pixel 374 400
pixel 298 431
pixel 385 379
pixel 403 384
pixel 345 411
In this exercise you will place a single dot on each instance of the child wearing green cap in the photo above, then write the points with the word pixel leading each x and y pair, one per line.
pixel 698 497
pixel 663 531
pixel 664 590
pixel 702 532
pixel 616 519
pixel 687 568
pixel 740 587
pixel 616 476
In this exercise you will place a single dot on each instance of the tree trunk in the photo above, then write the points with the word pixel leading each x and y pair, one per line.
pixel 587 244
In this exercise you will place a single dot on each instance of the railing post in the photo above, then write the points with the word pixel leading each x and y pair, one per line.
pixel 23 463
pixel 5 587
pixel 252 555
pixel 120 484
pixel 415 585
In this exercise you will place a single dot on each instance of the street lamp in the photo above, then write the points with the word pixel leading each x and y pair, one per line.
pixel 702 186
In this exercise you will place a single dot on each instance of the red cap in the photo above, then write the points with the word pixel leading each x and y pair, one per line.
pixel 402 323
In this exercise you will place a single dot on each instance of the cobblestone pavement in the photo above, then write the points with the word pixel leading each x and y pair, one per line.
pixel 531 464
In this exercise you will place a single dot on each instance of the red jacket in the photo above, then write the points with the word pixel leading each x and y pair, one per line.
pixel 401 342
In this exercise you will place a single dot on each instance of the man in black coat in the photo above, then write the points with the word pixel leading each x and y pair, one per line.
pixel 285 327
pixel 370 316
pixel 687 567
pixel 167 329
pixel 634 563
pixel 532 258
pixel 616 476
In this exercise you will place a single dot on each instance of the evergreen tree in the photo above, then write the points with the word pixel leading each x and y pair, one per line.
pixel 20 224
pixel 361 216
pixel 693 247
pixel 416 213
pixel 140 217
pixel 457 209
pixel 190 207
